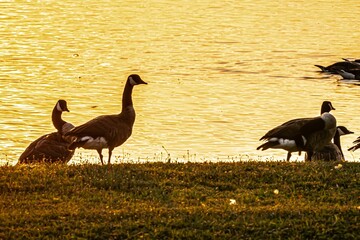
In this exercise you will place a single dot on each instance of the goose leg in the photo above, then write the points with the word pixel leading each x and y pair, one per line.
pixel 110 152
pixel 309 155
pixel 101 156
pixel 288 156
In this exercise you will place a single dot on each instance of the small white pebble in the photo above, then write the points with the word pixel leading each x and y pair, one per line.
pixel 232 201
pixel 338 166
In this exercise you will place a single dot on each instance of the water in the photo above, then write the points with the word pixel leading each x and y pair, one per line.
pixel 220 74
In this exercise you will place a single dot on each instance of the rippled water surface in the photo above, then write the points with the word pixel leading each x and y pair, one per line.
pixel 220 73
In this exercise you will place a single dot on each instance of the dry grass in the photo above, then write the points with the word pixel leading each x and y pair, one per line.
pixel 183 201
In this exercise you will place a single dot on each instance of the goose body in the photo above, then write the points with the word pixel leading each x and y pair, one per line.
pixel 332 151
pixel 108 131
pixel 334 68
pixel 52 147
pixel 288 136
pixel 317 133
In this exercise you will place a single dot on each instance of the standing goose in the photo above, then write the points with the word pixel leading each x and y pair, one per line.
pixel 108 131
pixel 332 151
pixel 288 135
pixel 51 147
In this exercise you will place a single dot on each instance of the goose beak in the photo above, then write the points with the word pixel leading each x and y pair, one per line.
pixel 142 82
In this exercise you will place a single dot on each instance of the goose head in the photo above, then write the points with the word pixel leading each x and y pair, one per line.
pixel 61 106
pixel 326 107
pixel 343 131
pixel 135 79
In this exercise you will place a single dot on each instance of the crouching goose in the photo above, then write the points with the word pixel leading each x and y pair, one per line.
pixel 288 136
pixel 332 151
pixel 108 131
pixel 51 147
pixel 317 133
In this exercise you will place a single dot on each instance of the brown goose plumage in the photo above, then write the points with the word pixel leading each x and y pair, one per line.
pixel 108 131
pixel 332 151
pixel 287 136
pixel 51 147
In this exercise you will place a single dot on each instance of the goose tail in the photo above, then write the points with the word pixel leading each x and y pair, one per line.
pixel 322 68
pixel 356 146
pixel 267 145
pixel 353 148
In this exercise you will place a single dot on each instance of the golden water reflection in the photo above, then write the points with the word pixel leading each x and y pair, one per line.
pixel 220 74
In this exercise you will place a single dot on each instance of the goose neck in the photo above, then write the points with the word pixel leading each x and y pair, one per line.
pixel 337 142
pixel 57 120
pixel 127 99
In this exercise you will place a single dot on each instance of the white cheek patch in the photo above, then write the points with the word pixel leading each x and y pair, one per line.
pixel 132 81
pixel 58 107
pixel 341 132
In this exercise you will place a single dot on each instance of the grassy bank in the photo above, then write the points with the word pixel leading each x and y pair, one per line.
pixel 192 201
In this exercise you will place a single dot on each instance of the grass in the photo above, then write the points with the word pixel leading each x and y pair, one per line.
pixel 181 201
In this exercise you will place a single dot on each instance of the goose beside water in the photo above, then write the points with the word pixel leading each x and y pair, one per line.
pixel 332 151
pixel 298 134
pixel 51 147
pixel 108 131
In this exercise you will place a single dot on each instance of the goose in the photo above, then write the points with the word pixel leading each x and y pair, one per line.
pixel 332 151
pixel 288 136
pixel 333 68
pixel 108 131
pixel 317 133
pixel 52 147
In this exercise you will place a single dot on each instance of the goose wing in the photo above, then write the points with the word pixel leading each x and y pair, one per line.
pixel 356 145
pixel 288 130
pixel 49 148
pixel 108 126
pixel 32 149
pixel 96 127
